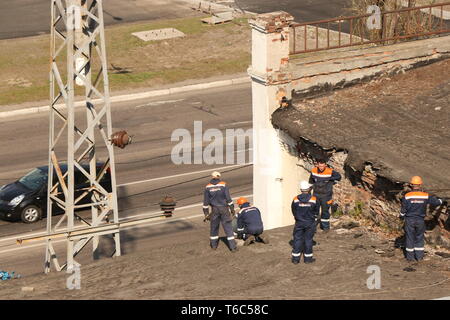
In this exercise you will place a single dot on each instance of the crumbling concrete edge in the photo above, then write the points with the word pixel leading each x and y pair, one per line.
pixel 362 182
pixel 135 96
pixel 325 87
pixel 345 69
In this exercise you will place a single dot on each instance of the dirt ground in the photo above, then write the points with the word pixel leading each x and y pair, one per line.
pixel 184 267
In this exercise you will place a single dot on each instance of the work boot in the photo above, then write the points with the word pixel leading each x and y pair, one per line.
pixel 312 260
pixel 326 230
pixel 213 248
pixel 234 250
pixel 264 240
pixel 249 240
pixel 295 261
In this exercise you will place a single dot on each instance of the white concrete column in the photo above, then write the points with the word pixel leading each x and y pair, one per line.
pixel 275 173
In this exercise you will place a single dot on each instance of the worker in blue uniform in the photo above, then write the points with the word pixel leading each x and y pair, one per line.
pixel 217 196
pixel 323 178
pixel 304 209
pixel 413 211
pixel 249 226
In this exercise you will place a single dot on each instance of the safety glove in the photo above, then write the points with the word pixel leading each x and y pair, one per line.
pixel 207 214
pixel 231 207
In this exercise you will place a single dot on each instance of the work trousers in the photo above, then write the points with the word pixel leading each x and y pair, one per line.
pixel 303 240
pixel 221 215
pixel 414 238
pixel 248 231
pixel 323 205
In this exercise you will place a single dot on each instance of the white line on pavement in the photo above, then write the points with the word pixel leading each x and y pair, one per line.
pixel 125 218
pixel 149 180
pixel 235 123
pixel 184 174
pixel 157 103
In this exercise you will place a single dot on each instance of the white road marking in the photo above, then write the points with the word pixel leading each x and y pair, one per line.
pixel 126 228
pixel 157 103
pixel 235 123
pixel 184 174
pixel 143 181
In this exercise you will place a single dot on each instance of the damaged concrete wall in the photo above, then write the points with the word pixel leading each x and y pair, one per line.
pixel 341 68
pixel 277 168
pixel 365 195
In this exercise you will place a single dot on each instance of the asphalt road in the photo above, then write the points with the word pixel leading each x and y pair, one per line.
pixel 145 171
pixel 302 10
pixel 22 18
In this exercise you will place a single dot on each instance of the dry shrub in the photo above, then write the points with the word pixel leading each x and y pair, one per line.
pixel 394 25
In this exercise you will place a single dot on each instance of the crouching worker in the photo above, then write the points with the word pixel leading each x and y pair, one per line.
pixel 249 225
pixel 304 210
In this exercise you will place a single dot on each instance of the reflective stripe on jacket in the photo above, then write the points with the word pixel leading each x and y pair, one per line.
pixel 217 194
pixel 414 204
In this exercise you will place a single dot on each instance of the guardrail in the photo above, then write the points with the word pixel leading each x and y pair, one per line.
pixel 372 28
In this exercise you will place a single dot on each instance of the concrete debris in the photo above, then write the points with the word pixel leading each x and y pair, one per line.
pixel 342 231
pixel 219 18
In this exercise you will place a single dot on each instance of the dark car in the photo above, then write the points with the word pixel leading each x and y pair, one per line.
pixel 26 198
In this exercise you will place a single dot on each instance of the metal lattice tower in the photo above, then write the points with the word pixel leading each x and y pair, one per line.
pixel 78 66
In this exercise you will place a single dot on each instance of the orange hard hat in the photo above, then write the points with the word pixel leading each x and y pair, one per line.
pixel 416 180
pixel 241 201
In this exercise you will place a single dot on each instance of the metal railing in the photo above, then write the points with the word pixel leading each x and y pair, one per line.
pixel 341 32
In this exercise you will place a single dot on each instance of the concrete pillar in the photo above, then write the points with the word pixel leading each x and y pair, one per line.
pixel 275 174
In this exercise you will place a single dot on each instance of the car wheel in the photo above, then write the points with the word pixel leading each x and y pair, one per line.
pixel 31 214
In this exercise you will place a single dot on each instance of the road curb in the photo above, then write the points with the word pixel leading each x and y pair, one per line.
pixel 134 96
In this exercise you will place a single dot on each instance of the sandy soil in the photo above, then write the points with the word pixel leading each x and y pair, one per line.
pixel 183 267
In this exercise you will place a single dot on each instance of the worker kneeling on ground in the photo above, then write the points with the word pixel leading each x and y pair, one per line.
pixel 217 195
pixel 304 210
pixel 414 207
pixel 249 226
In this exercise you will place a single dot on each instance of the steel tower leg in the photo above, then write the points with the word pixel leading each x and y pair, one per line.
pixel 77 28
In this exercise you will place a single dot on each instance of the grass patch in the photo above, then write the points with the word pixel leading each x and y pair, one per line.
pixel 338 213
pixel 357 211
pixel 205 51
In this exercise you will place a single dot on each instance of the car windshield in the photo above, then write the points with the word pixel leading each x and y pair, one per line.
pixel 34 180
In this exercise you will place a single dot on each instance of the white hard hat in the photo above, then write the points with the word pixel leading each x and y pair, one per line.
pixel 304 185
pixel 215 174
